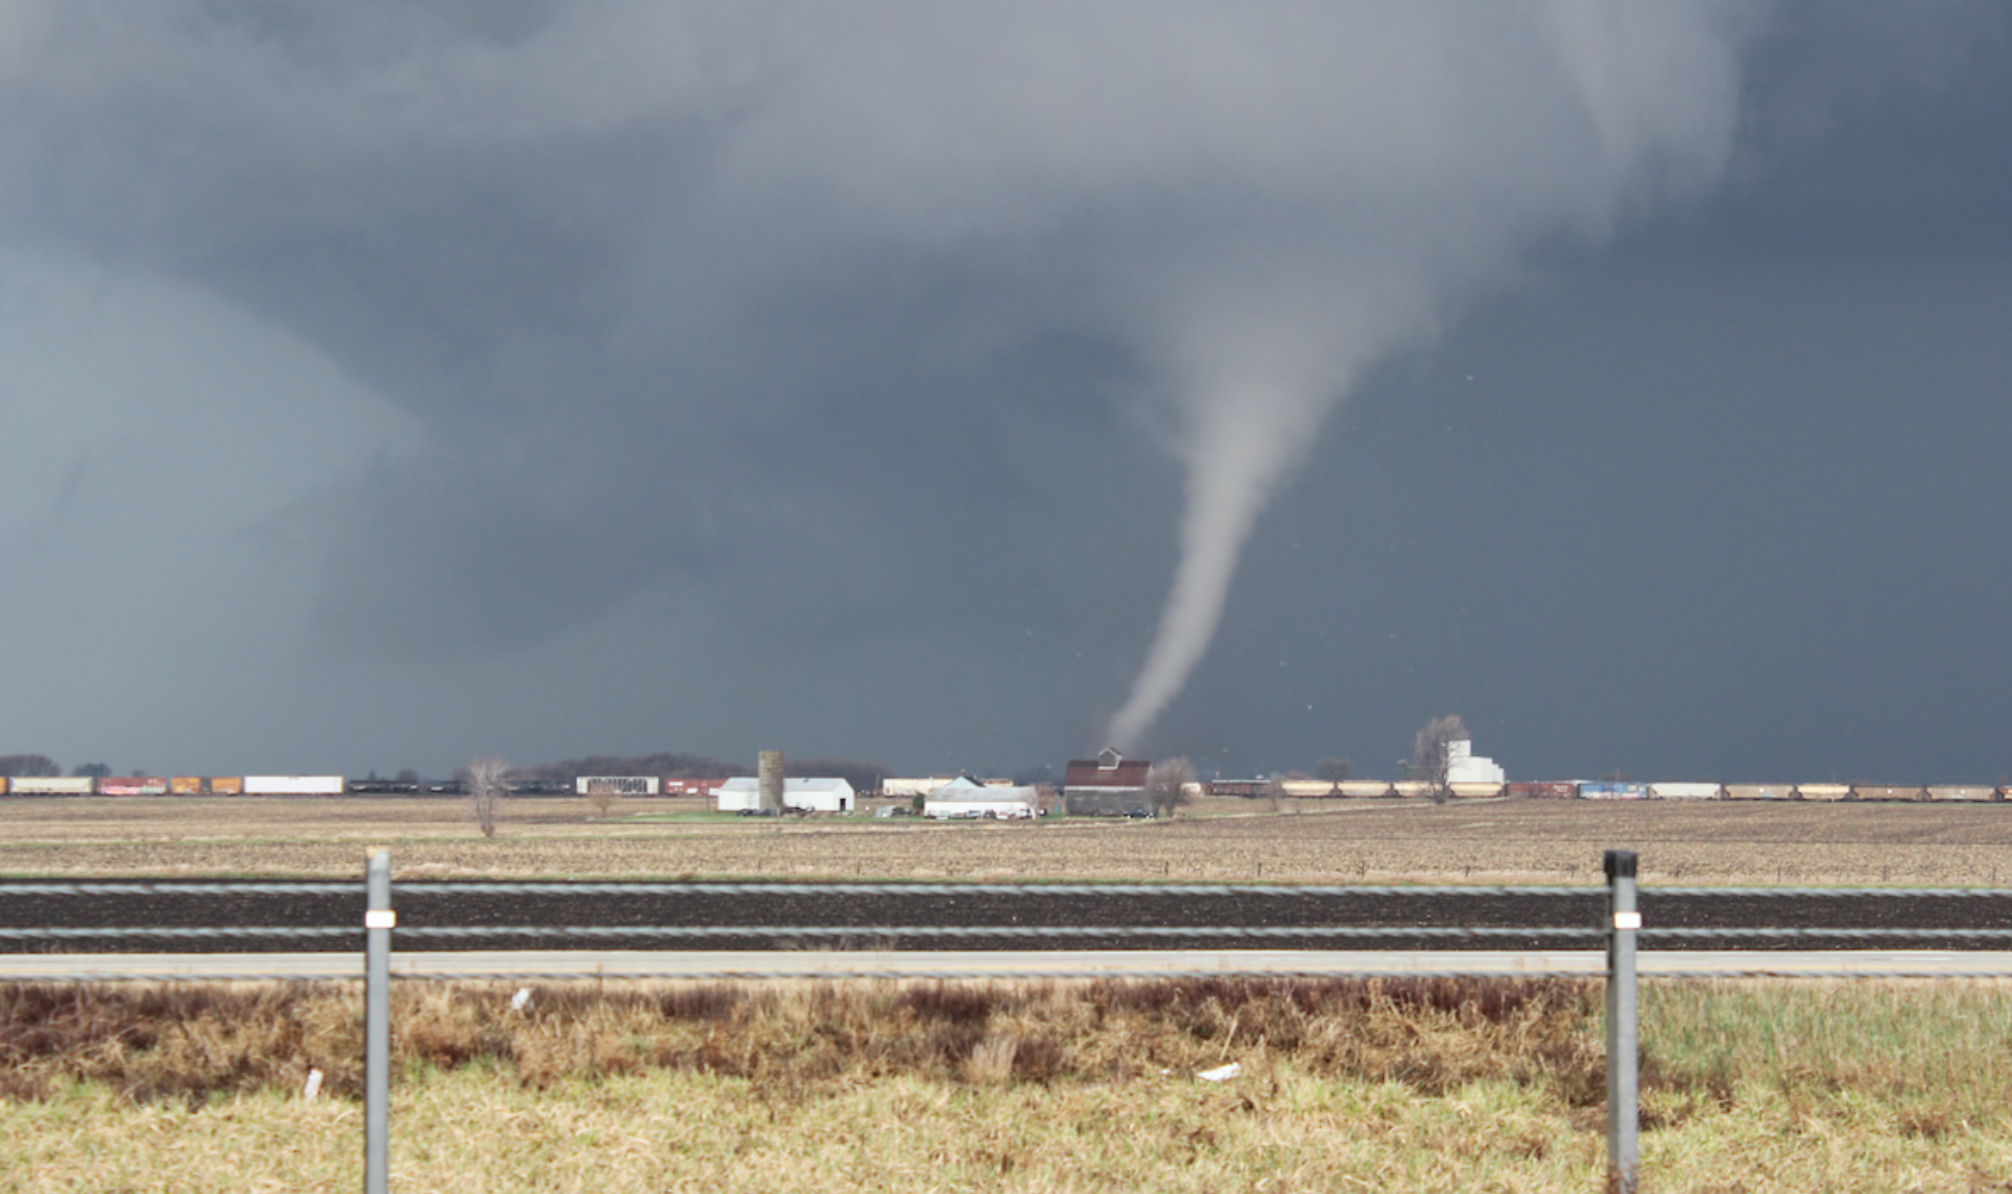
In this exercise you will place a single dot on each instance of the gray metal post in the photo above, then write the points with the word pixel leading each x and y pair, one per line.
pixel 378 920
pixel 1623 1056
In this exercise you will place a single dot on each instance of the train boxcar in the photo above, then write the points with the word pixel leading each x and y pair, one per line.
pixel 1363 788
pixel 293 785
pixel 1760 791
pixel 133 785
pixel 1686 791
pixel 1411 787
pixel 50 785
pixel 1612 790
pixel 1961 792
pixel 1540 791
pixel 1475 790
pixel 1880 792
pixel 1823 791
pixel 227 785
pixel 186 785
pixel 1241 788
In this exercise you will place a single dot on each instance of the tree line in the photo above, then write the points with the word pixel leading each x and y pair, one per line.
pixel 40 766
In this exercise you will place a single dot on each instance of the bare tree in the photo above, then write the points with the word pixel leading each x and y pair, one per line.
pixel 1274 793
pixel 1334 770
pixel 486 781
pixel 1167 786
pixel 1432 754
pixel 602 799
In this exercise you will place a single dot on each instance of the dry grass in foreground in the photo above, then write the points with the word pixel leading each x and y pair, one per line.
pixel 1409 1086
pixel 1705 842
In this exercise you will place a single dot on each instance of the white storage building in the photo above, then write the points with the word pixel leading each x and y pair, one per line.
pixel 961 799
pixel 913 785
pixel 812 795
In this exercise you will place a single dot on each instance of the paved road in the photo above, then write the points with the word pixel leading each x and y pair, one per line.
pixel 742 964
pixel 770 917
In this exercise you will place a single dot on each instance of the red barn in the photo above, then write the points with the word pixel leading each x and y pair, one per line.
pixel 1109 785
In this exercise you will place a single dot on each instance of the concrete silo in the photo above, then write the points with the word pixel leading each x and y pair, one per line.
pixel 769 774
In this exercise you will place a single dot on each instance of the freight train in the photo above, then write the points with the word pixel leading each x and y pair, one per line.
pixel 336 785
pixel 1612 790
pixel 249 785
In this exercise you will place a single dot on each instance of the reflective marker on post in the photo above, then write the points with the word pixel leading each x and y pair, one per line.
pixel 379 920
pixel 1623 1057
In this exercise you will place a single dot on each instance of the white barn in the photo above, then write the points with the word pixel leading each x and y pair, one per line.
pixel 815 795
pixel 962 799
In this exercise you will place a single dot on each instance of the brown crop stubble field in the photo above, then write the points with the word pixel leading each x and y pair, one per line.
pixel 1345 1085
pixel 1309 841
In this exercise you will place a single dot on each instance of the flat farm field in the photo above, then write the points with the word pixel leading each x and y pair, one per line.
pixel 1307 841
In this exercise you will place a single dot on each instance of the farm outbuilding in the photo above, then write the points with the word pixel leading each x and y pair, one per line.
pixel 913 785
pixel 615 785
pixel 962 799
pixel 811 795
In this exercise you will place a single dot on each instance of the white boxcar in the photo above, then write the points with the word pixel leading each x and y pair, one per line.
pixel 293 785
pixel 615 785
pixel 1685 791
pixel 1474 789
pixel 1824 791
pixel 50 785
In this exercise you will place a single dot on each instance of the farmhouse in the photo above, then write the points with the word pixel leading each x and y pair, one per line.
pixel 1106 786
pixel 820 795
pixel 962 799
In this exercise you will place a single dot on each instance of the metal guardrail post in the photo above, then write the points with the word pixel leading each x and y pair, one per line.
pixel 378 919
pixel 1623 1056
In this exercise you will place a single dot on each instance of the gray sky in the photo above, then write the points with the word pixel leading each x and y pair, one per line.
pixel 385 384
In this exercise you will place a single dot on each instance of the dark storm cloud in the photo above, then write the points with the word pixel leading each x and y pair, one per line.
pixel 900 324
